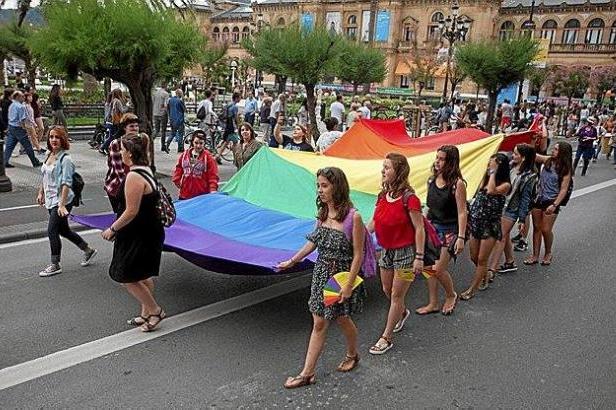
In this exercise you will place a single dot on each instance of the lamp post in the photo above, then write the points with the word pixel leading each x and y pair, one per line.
pixel 528 29
pixel 233 67
pixel 453 28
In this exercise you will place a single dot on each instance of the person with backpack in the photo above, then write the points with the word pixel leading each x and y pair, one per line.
pixel 58 196
pixel 230 135
pixel 485 220
pixel 337 253
pixel 523 176
pixel 553 191
pixel 196 172
pixel 176 109
pixel 448 212
pixel 399 227
pixel 138 233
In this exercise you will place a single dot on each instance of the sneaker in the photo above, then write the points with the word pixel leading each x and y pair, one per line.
pixel 42 151
pixel 52 269
pixel 507 267
pixel 88 256
pixel 37 164
pixel 400 323
pixel 594 160
pixel 522 246
pixel 517 237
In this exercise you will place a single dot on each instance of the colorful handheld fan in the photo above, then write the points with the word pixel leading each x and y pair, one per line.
pixel 333 287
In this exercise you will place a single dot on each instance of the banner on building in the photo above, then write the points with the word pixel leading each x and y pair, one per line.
pixel 541 58
pixel 307 21
pixel 333 21
pixel 383 19
pixel 365 26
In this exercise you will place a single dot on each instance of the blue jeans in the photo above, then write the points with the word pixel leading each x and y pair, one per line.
pixel 13 136
pixel 177 133
pixel 112 130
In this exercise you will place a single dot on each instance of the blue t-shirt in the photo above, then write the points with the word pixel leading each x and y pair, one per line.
pixel 176 111
pixel 17 114
pixel 231 116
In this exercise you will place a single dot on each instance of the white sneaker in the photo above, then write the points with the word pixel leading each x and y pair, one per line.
pixel 88 256
pixel 52 269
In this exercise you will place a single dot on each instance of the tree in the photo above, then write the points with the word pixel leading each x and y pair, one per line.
pixel 276 51
pixel 456 76
pixel 130 41
pixel 570 81
pixel 212 61
pixel 496 64
pixel 14 41
pixel 602 79
pixel 423 68
pixel 537 77
pixel 361 65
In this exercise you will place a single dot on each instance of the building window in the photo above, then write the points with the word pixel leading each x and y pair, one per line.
pixel 433 31
pixel 430 84
pixel 352 21
pixel 404 81
pixel 245 32
pixel 216 34
pixel 352 33
pixel 613 34
pixel 571 31
pixel 548 30
pixel 594 32
pixel 280 22
pixel 506 30
pixel 409 33
pixel 235 35
pixel 225 34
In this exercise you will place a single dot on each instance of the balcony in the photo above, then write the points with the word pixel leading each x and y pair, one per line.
pixel 583 48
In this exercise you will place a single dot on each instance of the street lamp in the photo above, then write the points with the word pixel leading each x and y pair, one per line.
pixel 453 28
pixel 233 67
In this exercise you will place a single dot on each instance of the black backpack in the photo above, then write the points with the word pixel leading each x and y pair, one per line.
pixel 201 113
pixel 77 187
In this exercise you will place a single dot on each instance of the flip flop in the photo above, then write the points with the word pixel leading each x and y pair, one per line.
pixel 453 307
pixel 529 262
pixel 426 312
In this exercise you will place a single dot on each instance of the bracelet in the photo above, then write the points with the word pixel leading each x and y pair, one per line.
pixel 462 237
pixel 419 254
pixel 113 229
pixel 419 259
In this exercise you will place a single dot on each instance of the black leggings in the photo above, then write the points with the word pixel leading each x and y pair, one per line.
pixel 58 226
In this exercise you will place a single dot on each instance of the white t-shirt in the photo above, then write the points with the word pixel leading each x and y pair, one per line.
pixel 160 102
pixel 328 138
pixel 337 111
pixel 365 111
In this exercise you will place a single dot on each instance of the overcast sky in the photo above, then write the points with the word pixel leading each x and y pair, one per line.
pixel 11 4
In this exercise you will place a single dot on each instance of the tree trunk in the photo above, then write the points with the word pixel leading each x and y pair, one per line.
pixel 30 73
pixel 311 104
pixel 106 86
pixel 492 95
pixel 355 87
pixel 140 88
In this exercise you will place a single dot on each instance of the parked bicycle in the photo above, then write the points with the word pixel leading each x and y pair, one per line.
pixel 213 134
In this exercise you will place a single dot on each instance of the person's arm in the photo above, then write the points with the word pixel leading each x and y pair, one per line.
pixel 358 256
pixel 66 182
pixel 212 173
pixel 64 191
pixel 40 196
pixel 460 195
pixel 115 156
pixel 420 240
pixel 306 250
pixel 564 187
pixel 133 192
pixel 278 132
pixel 492 188
pixel 525 199
pixel 178 173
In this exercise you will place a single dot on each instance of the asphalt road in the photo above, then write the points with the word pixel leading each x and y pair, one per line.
pixel 541 337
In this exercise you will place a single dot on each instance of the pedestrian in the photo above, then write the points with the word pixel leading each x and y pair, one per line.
pixel 56 195
pixel 303 118
pixel 176 110
pixel 399 228
pixel 38 117
pixel 117 109
pixel 230 136
pixel 250 109
pixel 523 176
pixel 336 109
pixel 17 117
pixel 331 136
pixel 366 109
pixel 196 172
pixel 336 253
pixel 57 105
pixel 248 147
pixel 30 124
pixel 600 142
pixel 298 141
pixel 353 115
pixel 116 168
pixel 138 234
pixel 278 108
pixel 485 220
pixel 507 115
pixel 159 112
pixel 264 113
pixel 5 103
pixel 206 107
pixel 448 212
pixel 586 135
pixel 555 179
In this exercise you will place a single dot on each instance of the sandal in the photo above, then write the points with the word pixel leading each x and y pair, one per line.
pixel 348 364
pixel 484 283
pixel 467 295
pixel 546 261
pixel 299 381
pixel 137 321
pixel 148 326
pixel 447 312
pixel 425 311
pixel 530 261
pixel 381 347
pixel 491 275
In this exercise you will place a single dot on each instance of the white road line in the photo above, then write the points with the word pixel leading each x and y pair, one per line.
pixel 33 369
pixel 592 188
pixel 14 208
pixel 39 240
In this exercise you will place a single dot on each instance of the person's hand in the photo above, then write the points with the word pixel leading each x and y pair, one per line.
pixel 62 211
pixel 345 293
pixel 550 210
pixel 286 264
pixel 108 234
pixel 280 120
pixel 492 165
pixel 459 246
pixel 418 266
pixel 40 199
pixel 522 228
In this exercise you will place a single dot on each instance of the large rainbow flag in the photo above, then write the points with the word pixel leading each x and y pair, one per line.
pixel 267 208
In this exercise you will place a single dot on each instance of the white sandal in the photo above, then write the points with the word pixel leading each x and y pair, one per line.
pixel 381 346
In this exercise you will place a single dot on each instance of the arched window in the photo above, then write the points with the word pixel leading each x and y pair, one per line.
pixel 235 35
pixel 216 34
pixel 506 30
pixel 245 32
pixel 433 31
pixel 351 30
pixel 225 34
pixel 613 34
pixel 570 32
pixel 548 30
pixel 594 32
pixel 280 22
pixel 352 20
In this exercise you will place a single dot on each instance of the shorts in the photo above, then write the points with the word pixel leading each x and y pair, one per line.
pixel 543 204
pixel 231 137
pixel 448 233
pixel 397 259
pixel 512 216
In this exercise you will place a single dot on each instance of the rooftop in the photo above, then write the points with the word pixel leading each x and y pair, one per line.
pixel 550 3
pixel 235 13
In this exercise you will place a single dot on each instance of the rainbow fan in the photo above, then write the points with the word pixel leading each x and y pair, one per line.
pixel 333 287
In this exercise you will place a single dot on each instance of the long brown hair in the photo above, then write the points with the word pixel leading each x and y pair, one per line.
pixel 562 162
pixel 451 172
pixel 401 167
pixel 138 146
pixel 340 195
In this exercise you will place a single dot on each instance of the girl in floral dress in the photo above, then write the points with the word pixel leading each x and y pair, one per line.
pixel 336 254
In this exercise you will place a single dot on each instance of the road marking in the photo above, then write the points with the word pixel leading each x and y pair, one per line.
pixel 13 208
pixel 54 362
pixel 39 240
pixel 589 189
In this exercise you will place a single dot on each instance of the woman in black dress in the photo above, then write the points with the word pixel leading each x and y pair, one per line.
pixel 138 233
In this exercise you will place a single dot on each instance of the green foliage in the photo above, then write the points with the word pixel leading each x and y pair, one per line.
pixel 537 76
pixel 14 40
pixel 360 64
pixel 570 81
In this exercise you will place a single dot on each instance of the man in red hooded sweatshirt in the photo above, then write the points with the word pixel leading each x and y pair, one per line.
pixel 196 172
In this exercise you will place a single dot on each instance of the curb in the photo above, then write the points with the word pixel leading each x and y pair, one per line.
pixel 35 234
